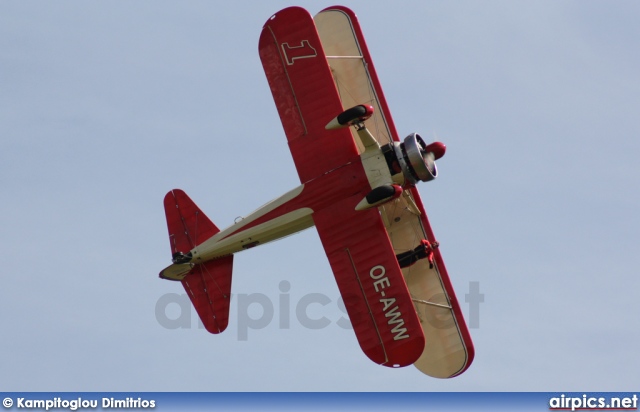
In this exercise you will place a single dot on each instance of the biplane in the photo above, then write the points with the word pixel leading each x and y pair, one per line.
pixel 357 187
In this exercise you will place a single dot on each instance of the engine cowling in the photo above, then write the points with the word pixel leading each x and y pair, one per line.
pixel 414 158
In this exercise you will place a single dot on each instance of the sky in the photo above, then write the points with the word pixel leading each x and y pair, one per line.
pixel 106 106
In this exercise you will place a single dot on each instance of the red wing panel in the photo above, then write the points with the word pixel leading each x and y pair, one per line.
pixel 188 226
pixel 371 283
pixel 208 285
pixel 304 92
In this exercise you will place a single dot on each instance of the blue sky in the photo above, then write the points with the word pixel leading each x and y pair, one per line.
pixel 104 107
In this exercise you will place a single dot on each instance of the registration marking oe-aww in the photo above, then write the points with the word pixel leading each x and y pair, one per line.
pixel 377 273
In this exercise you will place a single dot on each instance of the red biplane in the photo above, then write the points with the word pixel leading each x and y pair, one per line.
pixel 357 188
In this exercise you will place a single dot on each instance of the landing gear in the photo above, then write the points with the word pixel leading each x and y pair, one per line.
pixel 424 250
pixel 354 116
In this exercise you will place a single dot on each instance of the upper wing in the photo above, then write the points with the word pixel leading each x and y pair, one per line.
pixel 448 350
pixel 371 283
pixel 304 93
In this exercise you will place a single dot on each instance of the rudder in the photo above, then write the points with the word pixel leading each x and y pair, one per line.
pixel 188 226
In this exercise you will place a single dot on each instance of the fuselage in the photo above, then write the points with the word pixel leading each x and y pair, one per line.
pixel 286 215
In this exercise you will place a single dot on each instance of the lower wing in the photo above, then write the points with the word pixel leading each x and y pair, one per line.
pixel 448 350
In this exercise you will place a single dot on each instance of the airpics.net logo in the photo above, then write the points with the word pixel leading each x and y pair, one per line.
pixel 255 311
pixel 593 403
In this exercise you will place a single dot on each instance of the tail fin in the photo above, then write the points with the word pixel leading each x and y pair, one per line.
pixel 207 284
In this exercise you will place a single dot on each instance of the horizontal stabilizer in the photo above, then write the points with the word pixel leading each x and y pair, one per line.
pixel 209 288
